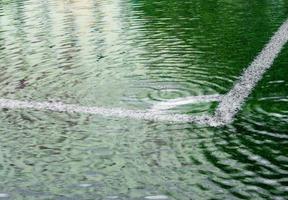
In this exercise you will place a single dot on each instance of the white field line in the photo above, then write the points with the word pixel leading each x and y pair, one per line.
pixel 228 107
pixel 233 100
pixel 107 112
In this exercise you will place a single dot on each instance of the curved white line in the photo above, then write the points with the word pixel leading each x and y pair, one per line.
pixel 183 101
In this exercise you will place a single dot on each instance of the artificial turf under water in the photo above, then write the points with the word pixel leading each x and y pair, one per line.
pixel 134 54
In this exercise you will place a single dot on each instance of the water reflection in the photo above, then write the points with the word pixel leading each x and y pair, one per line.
pixel 133 54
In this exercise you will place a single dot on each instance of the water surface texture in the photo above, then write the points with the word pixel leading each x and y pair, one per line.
pixel 134 54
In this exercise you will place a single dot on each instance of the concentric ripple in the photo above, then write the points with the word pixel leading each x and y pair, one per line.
pixel 135 55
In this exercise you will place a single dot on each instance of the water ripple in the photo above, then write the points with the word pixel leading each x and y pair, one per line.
pixel 135 54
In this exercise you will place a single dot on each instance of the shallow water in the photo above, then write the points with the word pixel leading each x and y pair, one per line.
pixel 135 54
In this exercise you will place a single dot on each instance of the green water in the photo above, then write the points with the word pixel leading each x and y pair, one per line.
pixel 133 54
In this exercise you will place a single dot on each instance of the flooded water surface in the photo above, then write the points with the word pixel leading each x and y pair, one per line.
pixel 134 54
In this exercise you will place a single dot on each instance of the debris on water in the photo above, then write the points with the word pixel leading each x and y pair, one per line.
pixel 99 57
pixel 22 84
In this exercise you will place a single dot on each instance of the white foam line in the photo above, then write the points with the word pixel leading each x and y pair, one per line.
pixel 233 100
pixel 183 101
pixel 107 112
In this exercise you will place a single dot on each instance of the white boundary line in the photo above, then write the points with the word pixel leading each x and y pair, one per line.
pixel 233 100
pixel 107 112
pixel 228 107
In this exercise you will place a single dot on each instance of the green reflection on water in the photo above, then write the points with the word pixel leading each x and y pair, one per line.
pixel 133 54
